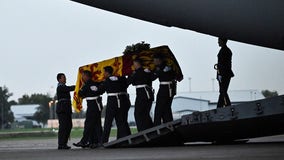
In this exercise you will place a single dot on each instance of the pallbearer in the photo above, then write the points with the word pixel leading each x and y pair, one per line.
pixel 142 80
pixel 167 90
pixel 92 135
pixel 118 104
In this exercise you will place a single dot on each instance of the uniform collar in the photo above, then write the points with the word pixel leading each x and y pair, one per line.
pixel 60 84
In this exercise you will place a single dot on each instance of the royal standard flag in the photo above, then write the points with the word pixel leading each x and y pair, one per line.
pixel 123 66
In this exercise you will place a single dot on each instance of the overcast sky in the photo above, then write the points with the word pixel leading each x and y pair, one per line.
pixel 39 38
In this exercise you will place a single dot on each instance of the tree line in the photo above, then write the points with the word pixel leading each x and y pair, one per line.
pixel 42 113
pixel 6 115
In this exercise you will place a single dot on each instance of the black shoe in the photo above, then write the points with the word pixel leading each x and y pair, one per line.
pixel 64 147
pixel 80 144
pixel 93 146
pixel 99 145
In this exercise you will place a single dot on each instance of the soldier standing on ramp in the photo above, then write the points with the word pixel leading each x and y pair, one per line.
pixel 224 72
pixel 142 80
pixel 118 104
pixel 92 136
pixel 167 90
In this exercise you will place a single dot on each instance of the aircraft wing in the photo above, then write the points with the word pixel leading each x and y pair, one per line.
pixel 258 22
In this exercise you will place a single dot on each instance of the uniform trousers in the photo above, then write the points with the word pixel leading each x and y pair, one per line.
pixel 119 112
pixel 224 99
pixel 64 115
pixel 143 105
pixel 163 111
pixel 93 126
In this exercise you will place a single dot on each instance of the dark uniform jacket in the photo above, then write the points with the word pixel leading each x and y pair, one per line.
pixel 142 76
pixel 114 84
pixel 64 98
pixel 165 74
pixel 90 89
pixel 225 62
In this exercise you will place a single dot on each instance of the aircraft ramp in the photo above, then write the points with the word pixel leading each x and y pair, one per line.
pixel 162 135
pixel 223 125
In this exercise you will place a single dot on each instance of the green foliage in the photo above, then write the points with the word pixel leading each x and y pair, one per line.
pixel 268 94
pixel 27 134
pixel 42 113
pixel 136 48
pixel 6 116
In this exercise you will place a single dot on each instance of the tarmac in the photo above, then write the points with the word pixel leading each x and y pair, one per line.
pixel 265 148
